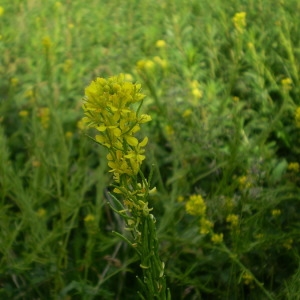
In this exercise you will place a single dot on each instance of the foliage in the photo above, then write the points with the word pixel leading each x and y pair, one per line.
pixel 221 80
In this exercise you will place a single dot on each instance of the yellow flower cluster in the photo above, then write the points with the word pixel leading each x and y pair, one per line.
pixel 244 183
pixel 217 238
pixel 195 206
pixel 286 84
pixel 297 117
pixel 233 220
pixel 239 21
pixel 46 41
pixel 294 167
pixel 276 212
pixel 160 44
pixel 44 115
pixel 205 226
pixel 107 107
pixel 248 278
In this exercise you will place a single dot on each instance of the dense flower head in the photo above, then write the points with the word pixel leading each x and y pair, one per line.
pixel 239 21
pixel 195 205
pixel 108 109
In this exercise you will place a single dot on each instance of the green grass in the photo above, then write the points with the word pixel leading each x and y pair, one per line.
pixel 224 126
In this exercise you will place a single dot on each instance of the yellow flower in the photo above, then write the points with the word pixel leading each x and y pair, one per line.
pixel 297 117
pixel 235 99
pixel 169 130
pixel 68 63
pixel 44 115
pixel 89 218
pixel 276 212
pixel 195 205
pixel 239 21
pixel 205 226
pixel 58 4
pixel 217 238
pixel 244 182
pixel 288 244
pixel 46 41
pixel 36 163
pixel 1 11
pixel 14 81
pixel 145 64
pixel 160 44
pixel 247 277
pixel 294 167
pixel 161 62
pixel 128 77
pixel 197 93
pixel 180 198
pixel 23 113
pixel 68 134
pixel 286 84
pixel 71 25
pixel 41 212
pixel 233 220
pixel 187 113
pixel 107 107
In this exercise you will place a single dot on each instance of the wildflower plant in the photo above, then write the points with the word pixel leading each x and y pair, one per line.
pixel 112 107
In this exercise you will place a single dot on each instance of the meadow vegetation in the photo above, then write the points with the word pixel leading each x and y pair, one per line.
pixel 221 80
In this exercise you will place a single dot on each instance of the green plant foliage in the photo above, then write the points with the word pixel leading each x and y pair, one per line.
pixel 221 80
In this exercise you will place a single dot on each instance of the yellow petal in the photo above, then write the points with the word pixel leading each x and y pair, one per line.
pixel 132 141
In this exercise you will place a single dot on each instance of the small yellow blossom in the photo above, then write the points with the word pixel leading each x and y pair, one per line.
pixel 229 203
pixel 259 236
pixel 68 63
pixel 128 77
pixel 1 11
pixel 89 218
pixel 244 182
pixel 286 84
pixel 71 25
pixel 41 212
pixel 46 41
pixel 217 238
pixel 69 134
pixel 81 125
pixel 161 62
pixel 187 113
pixel 276 212
pixel 14 81
pixel 44 115
pixel 145 64
pixel 250 46
pixel 233 220
pixel 180 198
pixel 169 130
pixel 160 44
pixel 247 278
pixel 195 206
pixel 197 93
pixel 36 163
pixel 29 93
pixel 58 4
pixel 205 226
pixel 294 167
pixel 239 21
pixel 235 99
pixel 288 244
pixel 297 117
pixel 23 113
